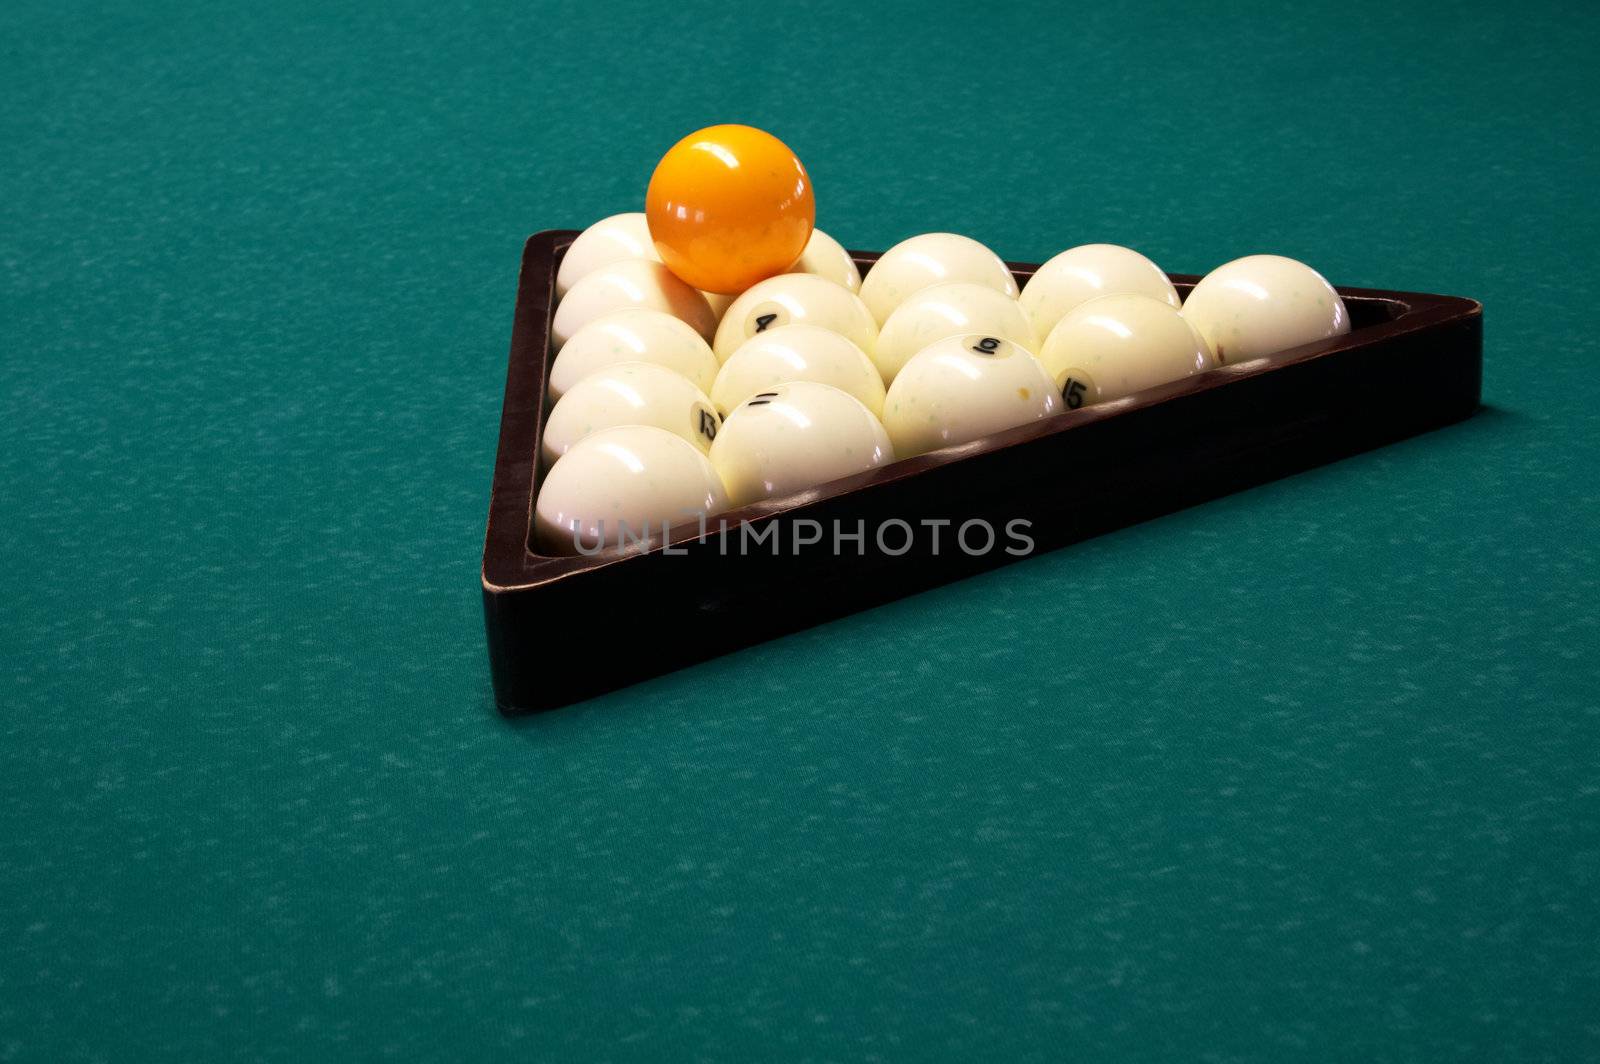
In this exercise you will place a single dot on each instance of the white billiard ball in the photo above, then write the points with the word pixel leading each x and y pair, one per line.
pixel 797 353
pixel 630 393
pixel 630 283
pixel 621 485
pixel 795 298
pixel 1120 344
pixel 948 310
pixel 1263 304
pixel 633 335
pixel 794 436
pixel 825 257
pixel 1087 272
pixel 927 260
pixel 963 388
pixel 719 303
pixel 621 236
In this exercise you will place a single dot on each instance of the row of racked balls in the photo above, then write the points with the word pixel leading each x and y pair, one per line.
pixel 669 402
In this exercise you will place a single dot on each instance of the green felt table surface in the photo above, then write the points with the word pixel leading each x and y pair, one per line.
pixel 1310 771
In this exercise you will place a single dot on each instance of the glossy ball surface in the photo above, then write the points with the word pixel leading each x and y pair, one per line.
pixel 963 388
pixel 629 393
pixel 1087 272
pixel 729 206
pixel 629 283
pixel 797 353
pixel 795 436
pixel 795 298
pixel 948 310
pixel 825 257
pixel 1121 344
pixel 1263 304
pixel 927 260
pixel 633 335
pixel 621 484
pixel 719 303
pixel 613 239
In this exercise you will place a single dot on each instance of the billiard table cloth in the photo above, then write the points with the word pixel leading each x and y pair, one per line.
pixel 1306 771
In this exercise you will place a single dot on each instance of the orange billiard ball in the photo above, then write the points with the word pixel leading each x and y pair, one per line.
pixel 729 206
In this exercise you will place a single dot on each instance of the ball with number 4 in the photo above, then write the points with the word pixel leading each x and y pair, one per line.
pixel 795 297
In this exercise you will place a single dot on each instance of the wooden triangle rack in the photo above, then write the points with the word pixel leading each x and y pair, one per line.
pixel 562 629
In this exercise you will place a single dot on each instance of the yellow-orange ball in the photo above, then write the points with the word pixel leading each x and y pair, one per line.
pixel 729 206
